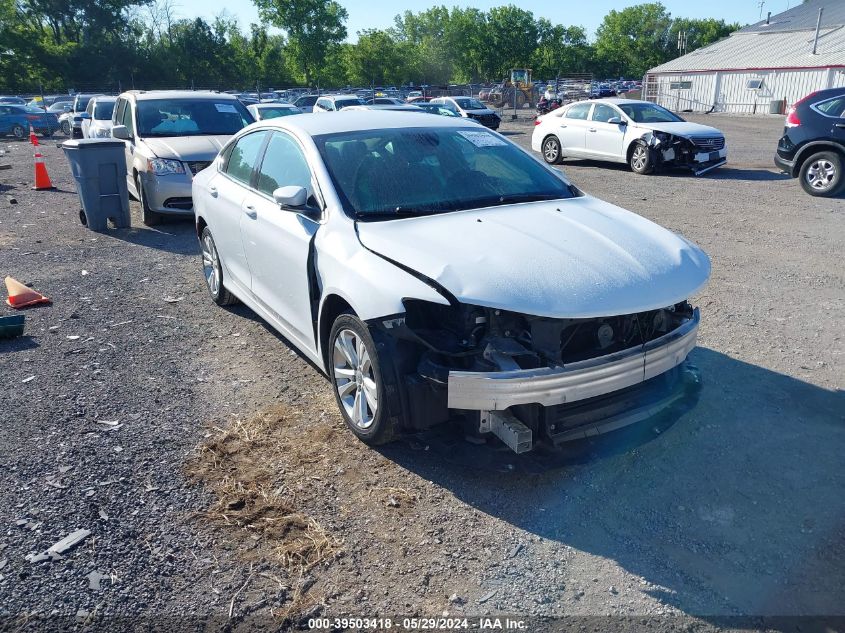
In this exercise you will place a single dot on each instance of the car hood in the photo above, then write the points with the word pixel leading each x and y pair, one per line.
pixel 187 148
pixel 685 129
pixel 577 258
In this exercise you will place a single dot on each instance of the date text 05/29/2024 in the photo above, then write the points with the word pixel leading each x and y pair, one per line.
pixel 418 624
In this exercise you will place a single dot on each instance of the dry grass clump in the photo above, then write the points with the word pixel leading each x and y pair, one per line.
pixel 252 467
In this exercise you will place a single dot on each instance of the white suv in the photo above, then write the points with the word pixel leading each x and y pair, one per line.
pixel 333 103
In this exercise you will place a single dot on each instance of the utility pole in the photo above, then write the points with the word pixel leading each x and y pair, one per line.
pixel 760 4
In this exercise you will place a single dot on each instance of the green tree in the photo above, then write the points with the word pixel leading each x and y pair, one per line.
pixel 632 40
pixel 376 58
pixel 313 27
pixel 560 50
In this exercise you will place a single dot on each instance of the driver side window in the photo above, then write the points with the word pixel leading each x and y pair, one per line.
pixel 283 165
pixel 241 162
pixel 603 113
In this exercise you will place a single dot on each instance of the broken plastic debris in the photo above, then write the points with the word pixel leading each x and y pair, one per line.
pixel 55 551
pixel 29 379
pixel 173 299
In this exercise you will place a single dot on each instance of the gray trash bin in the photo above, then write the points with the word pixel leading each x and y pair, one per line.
pixel 99 168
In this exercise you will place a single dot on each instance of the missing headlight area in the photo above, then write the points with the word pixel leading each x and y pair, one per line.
pixel 699 154
pixel 521 377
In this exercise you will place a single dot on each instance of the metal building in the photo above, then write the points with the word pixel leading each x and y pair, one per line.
pixel 760 69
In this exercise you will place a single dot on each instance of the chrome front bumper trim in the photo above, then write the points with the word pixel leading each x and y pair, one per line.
pixel 496 391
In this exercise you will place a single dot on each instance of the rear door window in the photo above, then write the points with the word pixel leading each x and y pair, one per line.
pixel 832 107
pixel 579 111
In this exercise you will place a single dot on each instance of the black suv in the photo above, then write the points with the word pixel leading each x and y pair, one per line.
pixel 812 147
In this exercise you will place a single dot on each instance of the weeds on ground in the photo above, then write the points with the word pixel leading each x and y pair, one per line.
pixel 244 466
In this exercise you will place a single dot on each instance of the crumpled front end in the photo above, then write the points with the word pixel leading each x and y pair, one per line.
pixel 699 154
pixel 525 378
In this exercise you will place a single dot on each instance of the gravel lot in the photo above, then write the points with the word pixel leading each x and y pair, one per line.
pixel 732 507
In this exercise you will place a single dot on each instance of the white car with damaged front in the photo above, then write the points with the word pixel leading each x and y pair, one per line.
pixel 437 272
pixel 642 134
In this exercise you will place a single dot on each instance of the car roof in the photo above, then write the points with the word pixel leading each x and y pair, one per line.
pixel 361 120
pixel 619 101
pixel 145 95
pixel 104 98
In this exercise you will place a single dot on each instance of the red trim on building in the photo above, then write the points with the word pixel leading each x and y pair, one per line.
pixel 739 70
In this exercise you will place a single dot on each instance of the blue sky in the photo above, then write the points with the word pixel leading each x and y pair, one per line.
pixel 364 14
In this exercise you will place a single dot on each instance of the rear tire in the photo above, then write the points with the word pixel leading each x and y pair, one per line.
pixel 148 216
pixel 66 128
pixel 355 372
pixel 19 132
pixel 551 150
pixel 213 271
pixel 821 174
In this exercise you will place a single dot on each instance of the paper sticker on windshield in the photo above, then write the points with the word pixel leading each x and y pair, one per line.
pixel 225 107
pixel 482 139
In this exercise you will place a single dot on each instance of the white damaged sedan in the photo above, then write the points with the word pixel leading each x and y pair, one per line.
pixel 438 273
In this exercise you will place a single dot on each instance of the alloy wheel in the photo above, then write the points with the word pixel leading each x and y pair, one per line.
pixel 354 378
pixel 821 173
pixel 550 151
pixel 638 160
pixel 210 264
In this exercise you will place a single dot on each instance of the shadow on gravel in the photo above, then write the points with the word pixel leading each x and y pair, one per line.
pixel 18 344
pixel 735 508
pixel 176 236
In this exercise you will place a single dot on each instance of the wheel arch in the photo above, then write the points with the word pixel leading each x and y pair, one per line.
pixel 814 148
pixel 333 305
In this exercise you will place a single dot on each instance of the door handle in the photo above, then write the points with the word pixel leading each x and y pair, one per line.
pixel 562 125
pixel 592 129
pixel 250 211
pixel 840 125
pixel 213 191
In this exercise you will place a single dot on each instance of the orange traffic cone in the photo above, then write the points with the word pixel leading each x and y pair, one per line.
pixel 32 138
pixel 42 178
pixel 20 296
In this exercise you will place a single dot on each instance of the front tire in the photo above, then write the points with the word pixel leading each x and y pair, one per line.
pixel 213 271
pixel 66 128
pixel 355 372
pixel 19 132
pixel 552 152
pixel 821 174
pixel 148 216
pixel 641 159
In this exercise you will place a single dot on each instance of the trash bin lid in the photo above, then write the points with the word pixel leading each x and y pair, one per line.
pixel 92 143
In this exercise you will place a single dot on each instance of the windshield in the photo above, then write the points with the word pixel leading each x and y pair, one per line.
pixel 187 117
pixel 420 171
pixel 82 103
pixel 470 104
pixel 306 101
pixel 103 110
pixel 648 113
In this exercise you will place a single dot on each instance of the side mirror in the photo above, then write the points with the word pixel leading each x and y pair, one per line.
pixel 617 121
pixel 67 108
pixel 121 132
pixel 84 115
pixel 291 196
